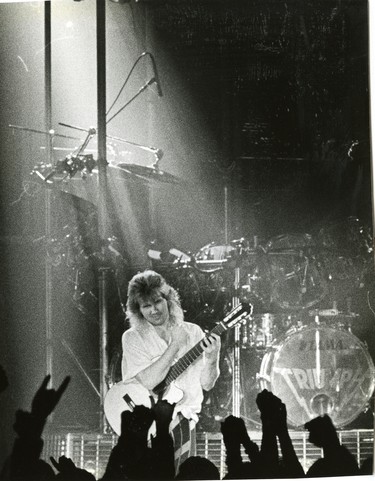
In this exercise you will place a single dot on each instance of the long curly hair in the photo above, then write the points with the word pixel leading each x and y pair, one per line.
pixel 148 285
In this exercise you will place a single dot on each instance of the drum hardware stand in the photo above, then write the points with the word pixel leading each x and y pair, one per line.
pixel 236 380
pixel 317 353
pixel 236 372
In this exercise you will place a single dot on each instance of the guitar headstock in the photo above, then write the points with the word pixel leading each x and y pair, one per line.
pixel 237 314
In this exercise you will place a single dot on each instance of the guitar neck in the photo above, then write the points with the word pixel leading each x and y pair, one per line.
pixel 185 361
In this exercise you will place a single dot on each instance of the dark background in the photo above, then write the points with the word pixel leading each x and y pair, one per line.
pixel 261 103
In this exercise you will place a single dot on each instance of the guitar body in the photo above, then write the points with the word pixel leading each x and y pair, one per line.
pixel 122 396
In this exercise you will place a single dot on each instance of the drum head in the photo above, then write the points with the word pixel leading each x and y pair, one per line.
pixel 320 370
pixel 297 283
pixel 212 257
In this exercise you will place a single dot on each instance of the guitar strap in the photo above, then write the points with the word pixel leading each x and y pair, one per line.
pixel 183 432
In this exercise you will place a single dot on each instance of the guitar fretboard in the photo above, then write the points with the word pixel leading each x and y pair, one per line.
pixel 188 358
pixel 185 361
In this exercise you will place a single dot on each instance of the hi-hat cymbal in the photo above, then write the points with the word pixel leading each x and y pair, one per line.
pixel 149 173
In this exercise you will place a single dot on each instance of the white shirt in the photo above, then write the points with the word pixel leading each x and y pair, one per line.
pixel 142 346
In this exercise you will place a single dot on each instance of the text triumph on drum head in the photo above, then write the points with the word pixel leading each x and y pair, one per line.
pixel 312 379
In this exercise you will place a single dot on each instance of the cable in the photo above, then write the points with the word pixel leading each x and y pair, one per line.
pixel 369 304
pixel 126 80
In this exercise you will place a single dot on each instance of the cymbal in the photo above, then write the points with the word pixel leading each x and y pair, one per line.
pixel 149 173
pixel 87 187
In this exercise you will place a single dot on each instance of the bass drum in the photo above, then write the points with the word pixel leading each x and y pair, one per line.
pixel 319 370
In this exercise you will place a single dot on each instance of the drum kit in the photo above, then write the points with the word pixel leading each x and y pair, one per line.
pixel 297 344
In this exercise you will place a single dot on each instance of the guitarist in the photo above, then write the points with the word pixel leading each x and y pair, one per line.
pixel 158 337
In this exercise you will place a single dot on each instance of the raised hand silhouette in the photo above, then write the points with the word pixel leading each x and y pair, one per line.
pixel 137 423
pixel 235 434
pixel 163 412
pixel 234 430
pixel 45 400
pixel 25 462
pixel 337 459
pixel 68 471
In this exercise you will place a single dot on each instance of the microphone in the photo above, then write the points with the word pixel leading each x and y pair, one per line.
pixel 157 80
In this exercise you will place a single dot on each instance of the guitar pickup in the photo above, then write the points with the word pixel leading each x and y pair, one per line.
pixel 129 401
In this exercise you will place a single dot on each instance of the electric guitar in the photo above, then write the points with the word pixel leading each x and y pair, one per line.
pixel 124 396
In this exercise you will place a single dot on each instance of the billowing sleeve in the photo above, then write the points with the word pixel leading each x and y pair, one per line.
pixel 135 357
pixel 198 333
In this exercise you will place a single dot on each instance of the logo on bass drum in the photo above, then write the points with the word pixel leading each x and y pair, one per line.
pixel 312 379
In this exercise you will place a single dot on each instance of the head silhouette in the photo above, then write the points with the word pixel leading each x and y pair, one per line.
pixel 197 467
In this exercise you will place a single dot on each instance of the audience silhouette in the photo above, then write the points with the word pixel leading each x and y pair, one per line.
pixel 367 467
pixel 196 467
pixel 134 457
pixel 235 435
pixel 24 462
pixel 68 471
pixel 274 426
pixel 337 459
pixel 145 450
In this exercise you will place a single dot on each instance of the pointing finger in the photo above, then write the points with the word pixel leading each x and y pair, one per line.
pixel 63 386
pixel 45 382
pixel 55 463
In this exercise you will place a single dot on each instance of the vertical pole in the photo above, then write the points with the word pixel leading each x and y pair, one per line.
pixel 48 194
pixel 226 218
pixel 236 372
pixel 236 380
pixel 153 192
pixel 102 208
pixel 371 10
